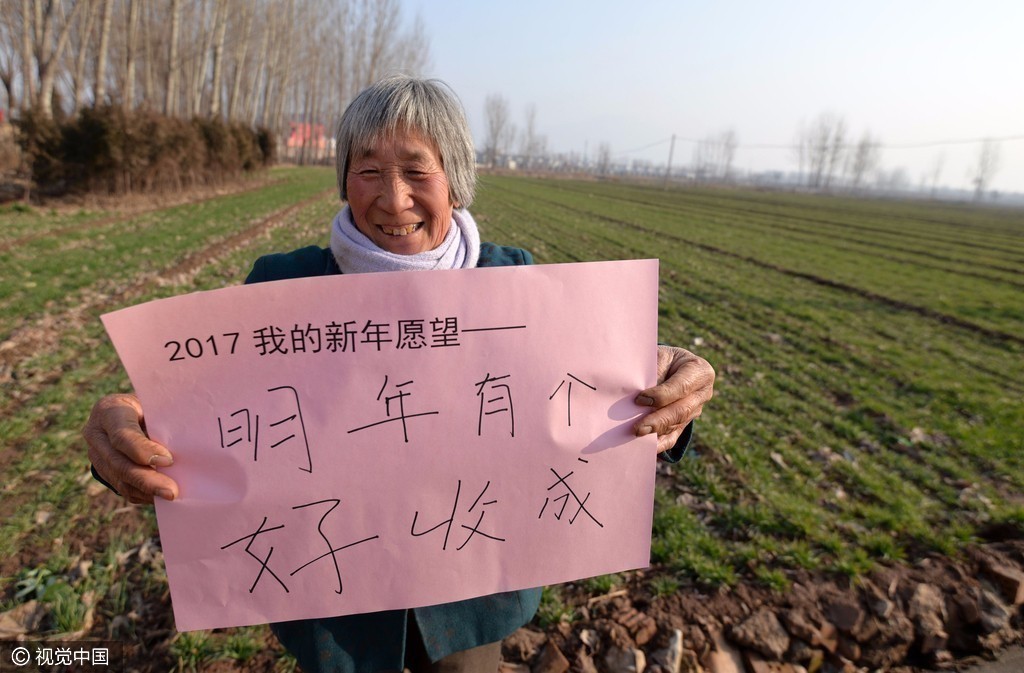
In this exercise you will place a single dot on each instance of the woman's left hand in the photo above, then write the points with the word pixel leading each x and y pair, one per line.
pixel 685 383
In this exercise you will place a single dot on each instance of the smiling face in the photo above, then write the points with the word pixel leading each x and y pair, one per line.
pixel 399 196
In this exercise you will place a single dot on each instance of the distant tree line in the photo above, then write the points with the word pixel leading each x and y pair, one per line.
pixel 500 134
pixel 827 158
pixel 505 145
pixel 279 65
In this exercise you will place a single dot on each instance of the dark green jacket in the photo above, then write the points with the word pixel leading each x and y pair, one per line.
pixel 376 641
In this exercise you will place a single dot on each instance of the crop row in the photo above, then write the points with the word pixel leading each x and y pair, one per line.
pixel 52 516
pixel 800 375
pixel 47 425
pixel 919 222
pixel 46 272
pixel 973 253
pixel 914 246
pixel 899 248
pixel 992 306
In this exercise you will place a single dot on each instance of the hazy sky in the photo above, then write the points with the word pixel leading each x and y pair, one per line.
pixel 633 73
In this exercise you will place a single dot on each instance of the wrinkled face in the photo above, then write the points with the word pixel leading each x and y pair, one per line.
pixel 398 193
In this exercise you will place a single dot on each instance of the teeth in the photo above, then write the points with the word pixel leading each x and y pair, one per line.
pixel 400 231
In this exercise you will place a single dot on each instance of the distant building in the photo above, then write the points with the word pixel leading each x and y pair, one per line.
pixel 310 136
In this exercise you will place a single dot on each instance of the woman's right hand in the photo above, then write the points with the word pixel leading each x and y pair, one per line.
pixel 123 454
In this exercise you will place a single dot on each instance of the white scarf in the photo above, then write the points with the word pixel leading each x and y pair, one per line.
pixel 355 253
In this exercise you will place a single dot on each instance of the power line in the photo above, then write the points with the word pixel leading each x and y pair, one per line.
pixel 884 146
pixel 646 146
pixel 847 146
pixel 937 143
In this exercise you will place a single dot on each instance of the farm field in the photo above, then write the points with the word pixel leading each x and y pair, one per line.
pixel 868 404
pixel 868 407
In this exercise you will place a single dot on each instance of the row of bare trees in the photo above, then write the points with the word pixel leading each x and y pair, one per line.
pixel 713 156
pixel 826 156
pixel 501 133
pixel 260 62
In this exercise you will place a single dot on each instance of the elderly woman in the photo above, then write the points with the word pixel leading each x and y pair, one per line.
pixel 406 169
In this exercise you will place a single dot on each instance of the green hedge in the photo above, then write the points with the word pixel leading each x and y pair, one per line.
pixel 109 150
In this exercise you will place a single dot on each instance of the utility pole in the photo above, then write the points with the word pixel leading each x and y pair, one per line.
pixel 668 169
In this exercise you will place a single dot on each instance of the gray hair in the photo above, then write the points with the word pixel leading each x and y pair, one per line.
pixel 426 106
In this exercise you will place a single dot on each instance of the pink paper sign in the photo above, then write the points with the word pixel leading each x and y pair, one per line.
pixel 355 443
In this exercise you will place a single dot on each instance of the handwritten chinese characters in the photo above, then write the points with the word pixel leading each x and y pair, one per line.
pixel 568 394
pixel 398 397
pixel 242 426
pixel 561 483
pixel 496 396
pixel 371 442
pixel 264 561
pixel 447 523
